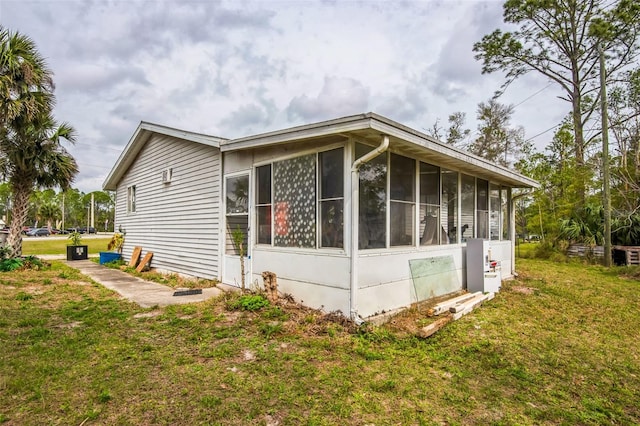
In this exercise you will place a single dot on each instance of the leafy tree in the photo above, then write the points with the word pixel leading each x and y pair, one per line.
pixel 558 195
pixel 559 39
pixel 31 151
pixel 435 131
pixel 33 156
pixel 625 230
pixel 456 135
pixel 586 226
pixel 48 213
pixel 498 141
pixel 104 208
pixel 74 208
pixel 37 200
pixel 624 114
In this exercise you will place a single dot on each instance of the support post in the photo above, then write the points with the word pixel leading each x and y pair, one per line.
pixel 606 201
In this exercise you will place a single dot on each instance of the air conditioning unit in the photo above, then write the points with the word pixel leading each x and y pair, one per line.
pixel 166 175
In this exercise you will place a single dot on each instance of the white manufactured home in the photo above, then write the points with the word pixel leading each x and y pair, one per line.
pixel 359 214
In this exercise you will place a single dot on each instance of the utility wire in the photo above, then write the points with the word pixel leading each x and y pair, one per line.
pixel 542 133
pixel 531 96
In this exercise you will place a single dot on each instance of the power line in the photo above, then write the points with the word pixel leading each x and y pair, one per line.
pixel 534 94
pixel 542 133
pixel 86 145
pixel 95 165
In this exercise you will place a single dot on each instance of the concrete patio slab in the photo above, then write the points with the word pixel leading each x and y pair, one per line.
pixel 145 293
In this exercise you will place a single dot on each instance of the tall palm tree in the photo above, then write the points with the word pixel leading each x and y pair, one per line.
pixel 33 157
pixel 31 151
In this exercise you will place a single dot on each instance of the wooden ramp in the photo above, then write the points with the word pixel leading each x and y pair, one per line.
pixel 135 256
pixel 145 261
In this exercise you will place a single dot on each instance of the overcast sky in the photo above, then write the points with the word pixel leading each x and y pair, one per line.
pixel 234 69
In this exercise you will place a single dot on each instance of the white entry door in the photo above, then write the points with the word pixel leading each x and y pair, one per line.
pixel 237 230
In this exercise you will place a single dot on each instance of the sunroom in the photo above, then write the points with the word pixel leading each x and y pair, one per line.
pixel 361 214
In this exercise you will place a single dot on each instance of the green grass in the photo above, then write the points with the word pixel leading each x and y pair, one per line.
pixel 526 250
pixel 45 245
pixel 557 346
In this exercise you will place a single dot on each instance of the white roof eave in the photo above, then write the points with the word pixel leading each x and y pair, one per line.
pixel 455 155
pixel 386 126
pixel 139 139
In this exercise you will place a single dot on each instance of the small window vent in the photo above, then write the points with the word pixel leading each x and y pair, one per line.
pixel 167 175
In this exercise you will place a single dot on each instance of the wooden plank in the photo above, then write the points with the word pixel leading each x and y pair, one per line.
pixel 582 250
pixel 135 256
pixel 145 261
pixel 471 305
pixel 459 307
pixel 444 306
pixel 434 327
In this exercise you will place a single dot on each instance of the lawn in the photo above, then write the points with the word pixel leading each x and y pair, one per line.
pixel 51 245
pixel 557 346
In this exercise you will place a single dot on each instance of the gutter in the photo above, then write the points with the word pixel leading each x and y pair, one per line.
pixel 355 225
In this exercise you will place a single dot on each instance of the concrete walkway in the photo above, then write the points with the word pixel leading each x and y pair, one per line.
pixel 145 293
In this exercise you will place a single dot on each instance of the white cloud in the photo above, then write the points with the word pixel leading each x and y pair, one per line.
pixel 231 69
pixel 338 97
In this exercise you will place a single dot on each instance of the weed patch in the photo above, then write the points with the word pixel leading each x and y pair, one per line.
pixel 22 296
pixel 8 265
pixel 248 302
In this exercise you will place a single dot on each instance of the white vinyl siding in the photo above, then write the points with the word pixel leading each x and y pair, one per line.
pixel 177 221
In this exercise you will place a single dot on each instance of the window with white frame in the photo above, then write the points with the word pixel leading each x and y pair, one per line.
pixel 495 210
pixel 402 181
pixel 449 202
pixel 482 199
pixel 505 196
pixel 263 204
pixel 431 230
pixel 372 213
pixel 237 214
pixel 331 199
pixel 131 199
pixel 300 201
pixel 467 207
pixel 294 202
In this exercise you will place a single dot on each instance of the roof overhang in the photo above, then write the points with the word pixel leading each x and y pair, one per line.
pixel 369 127
pixel 140 137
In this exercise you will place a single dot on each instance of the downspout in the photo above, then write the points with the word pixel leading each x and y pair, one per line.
pixel 512 230
pixel 355 225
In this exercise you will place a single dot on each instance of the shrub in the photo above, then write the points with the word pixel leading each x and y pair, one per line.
pixel 248 302
pixel 34 263
pixel 546 249
pixel 8 265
